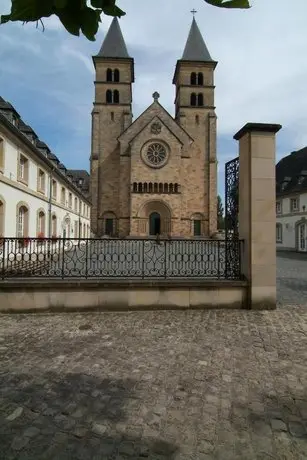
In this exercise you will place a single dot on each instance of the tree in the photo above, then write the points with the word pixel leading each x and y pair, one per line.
pixel 220 214
pixel 81 15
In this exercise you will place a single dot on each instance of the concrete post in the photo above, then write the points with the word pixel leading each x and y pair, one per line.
pixel 257 212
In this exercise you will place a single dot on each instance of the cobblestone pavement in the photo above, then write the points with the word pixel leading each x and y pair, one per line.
pixel 181 385
pixel 291 278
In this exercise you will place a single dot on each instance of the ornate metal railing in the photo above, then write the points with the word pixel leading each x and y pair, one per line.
pixel 118 258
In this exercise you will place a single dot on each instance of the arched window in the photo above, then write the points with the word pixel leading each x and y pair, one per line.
pixel 116 96
pixel 155 187
pixel 109 75
pixel 150 187
pixel 160 187
pixel 22 221
pixel 176 188
pixel 116 75
pixel 200 79
pixel 193 78
pixel 53 226
pixel 171 188
pixel 165 188
pixel 76 204
pixel 135 187
pixel 200 99
pixel 193 99
pixel 109 98
pixel 41 220
pixel 140 187
pixel 145 187
pixel 197 119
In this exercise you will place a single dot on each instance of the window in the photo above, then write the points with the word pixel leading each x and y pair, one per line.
pixel 294 204
pixel 200 99
pixel 22 221
pixel 41 181
pixel 109 226
pixel 80 207
pixel 193 99
pixel 109 98
pixel 76 204
pixel 76 225
pixel 278 207
pixel 63 196
pixel 54 189
pixel 197 227
pixel 109 75
pixel 278 233
pixel 23 168
pixel 300 180
pixel 70 200
pixel 116 75
pixel 1 154
pixel 193 78
pixel 116 97
pixel 41 220
pixel 54 226
pixel 80 182
pixel 200 79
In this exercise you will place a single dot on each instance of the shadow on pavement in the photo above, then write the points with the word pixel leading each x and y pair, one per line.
pixel 74 416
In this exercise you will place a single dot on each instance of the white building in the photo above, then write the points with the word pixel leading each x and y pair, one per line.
pixel 291 202
pixel 39 197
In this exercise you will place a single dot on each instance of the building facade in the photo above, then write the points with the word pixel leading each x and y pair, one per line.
pixel 291 202
pixel 39 197
pixel 157 174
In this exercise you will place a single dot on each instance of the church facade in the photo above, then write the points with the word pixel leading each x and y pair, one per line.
pixel 157 174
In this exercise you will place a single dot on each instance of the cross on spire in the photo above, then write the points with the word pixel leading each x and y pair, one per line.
pixel 193 12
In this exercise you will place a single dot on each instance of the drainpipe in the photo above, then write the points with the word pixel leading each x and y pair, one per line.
pixel 50 203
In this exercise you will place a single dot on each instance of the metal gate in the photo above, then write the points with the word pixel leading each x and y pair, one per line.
pixel 232 250
pixel 232 199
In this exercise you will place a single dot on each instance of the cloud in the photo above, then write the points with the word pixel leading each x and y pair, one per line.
pixel 260 75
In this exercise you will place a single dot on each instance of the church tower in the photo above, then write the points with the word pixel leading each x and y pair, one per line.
pixel 195 112
pixel 111 115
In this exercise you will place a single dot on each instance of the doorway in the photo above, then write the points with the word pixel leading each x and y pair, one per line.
pixel 154 223
pixel 109 227
pixel 302 237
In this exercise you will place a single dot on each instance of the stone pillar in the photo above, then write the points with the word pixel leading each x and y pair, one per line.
pixel 257 211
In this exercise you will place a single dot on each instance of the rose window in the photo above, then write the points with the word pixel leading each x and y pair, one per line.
pixel 156 154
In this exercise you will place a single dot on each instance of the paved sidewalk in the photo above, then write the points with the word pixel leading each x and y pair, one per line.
pixel 219 385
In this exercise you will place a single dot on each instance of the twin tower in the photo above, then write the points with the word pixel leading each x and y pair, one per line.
pixel 158 173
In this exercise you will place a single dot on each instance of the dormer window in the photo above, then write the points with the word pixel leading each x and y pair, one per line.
pixel 80 182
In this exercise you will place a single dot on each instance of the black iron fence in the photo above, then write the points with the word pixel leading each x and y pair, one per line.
pixel 119 258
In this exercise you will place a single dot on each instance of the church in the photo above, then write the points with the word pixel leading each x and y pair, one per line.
pixel 157 174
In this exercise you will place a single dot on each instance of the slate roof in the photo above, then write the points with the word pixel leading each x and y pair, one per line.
pixel 114 45
pixel 78 174
pixel 195 48
pixel 291 173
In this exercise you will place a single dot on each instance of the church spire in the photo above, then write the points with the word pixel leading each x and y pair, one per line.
pixel 114 45
pixel 195 48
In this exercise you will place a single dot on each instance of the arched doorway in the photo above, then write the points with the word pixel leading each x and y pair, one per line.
pixel 154 223
pixel 154 217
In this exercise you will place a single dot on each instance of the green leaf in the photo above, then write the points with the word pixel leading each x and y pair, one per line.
pixel 29 10
pixel 244 4
pixel 108 7
pixel 59 4
pixel 90 23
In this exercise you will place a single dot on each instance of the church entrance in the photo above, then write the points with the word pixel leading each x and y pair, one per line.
pixel 154 223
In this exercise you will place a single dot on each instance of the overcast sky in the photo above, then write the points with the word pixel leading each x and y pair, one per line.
pixel 261 74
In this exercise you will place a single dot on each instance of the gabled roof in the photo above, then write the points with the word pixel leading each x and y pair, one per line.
pixel 114 45
pixel 195 48
pixel 157 111
pixel 291 173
